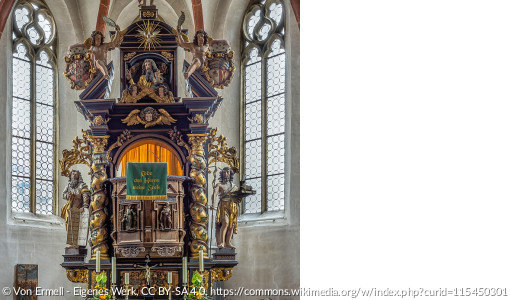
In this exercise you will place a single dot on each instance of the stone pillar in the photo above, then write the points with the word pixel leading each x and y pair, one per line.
pixel 198 208
pixel 98 212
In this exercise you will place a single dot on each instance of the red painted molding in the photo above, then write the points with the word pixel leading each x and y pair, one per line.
pixel 104 6
pixel 295 7
pixel 5 10
pixel 198 15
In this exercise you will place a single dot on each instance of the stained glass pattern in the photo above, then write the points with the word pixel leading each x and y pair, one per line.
pixel 44 197
pixel 252 21
pixel 45 24
pixel 20 157
pixel 33 109
pixel 21 17
pixel 20 194
pixel 275 192
pixel 275 154
pixel 253 203
pixel 276 75
pixel 33 35
pixel 253 121
pixel 253 82
pixel 276 114
pixel 275 12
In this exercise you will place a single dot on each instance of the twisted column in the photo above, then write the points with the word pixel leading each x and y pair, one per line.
pixel 198 207
pixel 98 211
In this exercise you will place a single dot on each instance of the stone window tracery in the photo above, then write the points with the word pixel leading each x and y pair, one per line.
pixel 33 108
pixel 263 91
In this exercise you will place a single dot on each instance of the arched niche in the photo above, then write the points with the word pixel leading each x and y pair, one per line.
pixel 151 148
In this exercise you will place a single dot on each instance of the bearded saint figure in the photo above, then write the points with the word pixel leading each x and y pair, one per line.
pixel 77 196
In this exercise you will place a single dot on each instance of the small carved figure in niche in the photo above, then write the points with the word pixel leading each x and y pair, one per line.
pixel 198 48
pixel 162 90
pixel 133 89
pixel 226 216
pixel 76 194
pixel 165 217
pixel 129 218
pixel 149 73
pixel 99 49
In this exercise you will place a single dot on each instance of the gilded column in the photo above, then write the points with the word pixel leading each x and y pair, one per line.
pixel 98 211
pixel 198 207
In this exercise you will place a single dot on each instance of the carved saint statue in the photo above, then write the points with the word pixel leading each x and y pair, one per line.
pixel 165 217
pixel 75 210
pixel 226 217
pixel 129 218
pixel 198 48
pixel 150 73
pixel 99 49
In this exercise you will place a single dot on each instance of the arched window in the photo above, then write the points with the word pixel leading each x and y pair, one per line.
pixel 263 90
pixel 33 108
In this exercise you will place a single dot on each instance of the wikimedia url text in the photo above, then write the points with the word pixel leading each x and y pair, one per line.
pixel 245 292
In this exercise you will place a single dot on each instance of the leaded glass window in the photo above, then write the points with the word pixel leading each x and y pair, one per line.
pixel 263 86
pixel 33 108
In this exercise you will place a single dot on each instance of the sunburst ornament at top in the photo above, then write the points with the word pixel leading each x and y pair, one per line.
pixel 148 35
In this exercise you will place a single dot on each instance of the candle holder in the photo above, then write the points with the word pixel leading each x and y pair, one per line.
pixel 126 287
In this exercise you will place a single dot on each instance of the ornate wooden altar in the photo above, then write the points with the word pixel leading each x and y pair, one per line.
pixel 149 113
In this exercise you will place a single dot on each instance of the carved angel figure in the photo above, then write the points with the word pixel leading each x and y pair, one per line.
pixel 99 48
pixel 198 48
pixel 149 117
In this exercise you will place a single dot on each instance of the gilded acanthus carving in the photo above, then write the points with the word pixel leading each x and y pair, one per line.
pixel 80 154
pixel 221 274
pixel 99 120
pixel 168 55
pixel 129 56
pixel 220 152
pixel 98 143
pixel 78 275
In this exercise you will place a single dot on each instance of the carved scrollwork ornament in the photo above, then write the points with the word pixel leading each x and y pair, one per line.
pixel 220 152
pixel 80 154
pixel 129 56
pixel 130 251
pixel 221 274
pixel 177 137
pixel 168 55
pixel 78 275
pixel 167 251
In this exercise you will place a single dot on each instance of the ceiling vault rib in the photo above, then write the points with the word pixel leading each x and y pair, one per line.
pixel 104 7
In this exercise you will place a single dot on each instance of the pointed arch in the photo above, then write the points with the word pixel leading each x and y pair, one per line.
pixel 263 109
pixel 33 115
